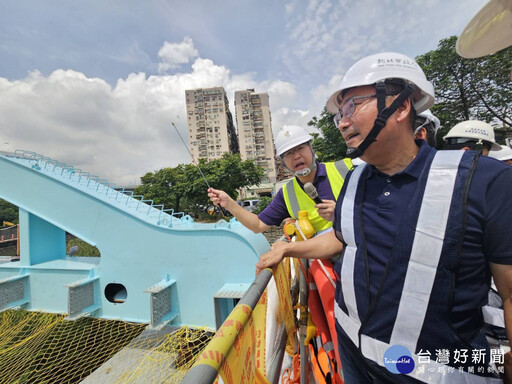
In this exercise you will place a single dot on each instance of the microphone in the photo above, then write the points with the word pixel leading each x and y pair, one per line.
pixel 312 193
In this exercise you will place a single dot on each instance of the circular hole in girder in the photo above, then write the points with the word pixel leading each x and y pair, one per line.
pixel 115 293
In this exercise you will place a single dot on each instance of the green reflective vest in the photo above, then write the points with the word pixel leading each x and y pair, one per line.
pixel 297 200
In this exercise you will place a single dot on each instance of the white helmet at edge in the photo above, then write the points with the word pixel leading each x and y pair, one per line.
pixel 474 130
pixel 428 115
pixel 387 65
pixel 503 154
pixel 489 31
pixel 290 136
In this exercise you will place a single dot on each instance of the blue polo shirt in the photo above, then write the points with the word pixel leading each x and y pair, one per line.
pixel 487 238
pixel 276 211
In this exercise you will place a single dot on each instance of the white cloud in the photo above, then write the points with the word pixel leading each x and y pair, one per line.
pixel 172 55
pixel 120 132
pixel 321 93
pixel 287 116
pixel 283 97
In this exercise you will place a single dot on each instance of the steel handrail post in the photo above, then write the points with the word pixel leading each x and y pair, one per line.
pixel 274 369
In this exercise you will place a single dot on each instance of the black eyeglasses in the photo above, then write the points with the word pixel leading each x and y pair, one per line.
pixel 349 108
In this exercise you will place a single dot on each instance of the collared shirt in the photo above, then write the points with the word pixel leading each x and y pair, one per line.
pixel 487 238
pixel 276 211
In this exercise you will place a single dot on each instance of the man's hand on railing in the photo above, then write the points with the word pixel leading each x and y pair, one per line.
pixel 272 257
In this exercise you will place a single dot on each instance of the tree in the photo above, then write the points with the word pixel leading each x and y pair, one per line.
pixel 183 188
pixel 264 202
pixel 8 212
pixel 329 146
pixel 467 89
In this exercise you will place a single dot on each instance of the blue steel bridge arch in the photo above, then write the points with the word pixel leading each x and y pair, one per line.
pixel 171 267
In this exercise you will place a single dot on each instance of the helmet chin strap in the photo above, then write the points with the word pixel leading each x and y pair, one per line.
pixel 382 117
pixel 305 171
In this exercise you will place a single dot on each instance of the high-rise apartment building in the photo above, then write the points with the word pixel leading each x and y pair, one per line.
pixel 255 131
pixel 210 124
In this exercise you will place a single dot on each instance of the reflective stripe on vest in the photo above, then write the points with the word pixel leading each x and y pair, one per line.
pixel 296 199
pixel 420 274
pixel 430 233
pixel 493 316
pixel 350 323
pixel 343 166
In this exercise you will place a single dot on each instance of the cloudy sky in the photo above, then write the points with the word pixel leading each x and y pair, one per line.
pixel 97 83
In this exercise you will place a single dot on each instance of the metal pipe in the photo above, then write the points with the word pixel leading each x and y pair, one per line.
pixel 274 370
pixel 190 153
pixel 303 323
pixel 206 372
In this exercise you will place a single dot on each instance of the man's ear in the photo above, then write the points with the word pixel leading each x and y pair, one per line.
pixel 421 134
pixel 404 110
pixel 466 148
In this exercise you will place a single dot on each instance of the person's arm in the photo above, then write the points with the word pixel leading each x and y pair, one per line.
pixel 248 219
pixel 502 275
pixel 319 247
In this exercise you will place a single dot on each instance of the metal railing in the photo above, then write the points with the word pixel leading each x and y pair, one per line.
pixel 9 234
pixel 124 199
pixel 204 373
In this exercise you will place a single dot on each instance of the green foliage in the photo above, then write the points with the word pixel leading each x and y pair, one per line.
pixel 468 89
pixel 84 249
pixel 8 212
pixel 184 189
pixel 329 145
pixel 264 202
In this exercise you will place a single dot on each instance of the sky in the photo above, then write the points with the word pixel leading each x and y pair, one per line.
pixel 97 84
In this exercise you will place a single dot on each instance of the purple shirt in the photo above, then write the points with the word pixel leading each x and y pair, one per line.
pixel 276 211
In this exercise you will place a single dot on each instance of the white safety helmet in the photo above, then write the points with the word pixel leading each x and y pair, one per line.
pixel 474 130
pixel 382 66
pixel 489 31
pixel 429 118
pixel 503 154
pixel 290 136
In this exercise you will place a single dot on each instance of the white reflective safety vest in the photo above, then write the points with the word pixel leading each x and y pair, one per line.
pixel 412 306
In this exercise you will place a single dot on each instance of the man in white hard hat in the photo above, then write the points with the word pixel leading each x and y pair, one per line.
pixel 472 135
pixel 420 233
pixel 503 154
pixel 427 126
pixel 293 146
